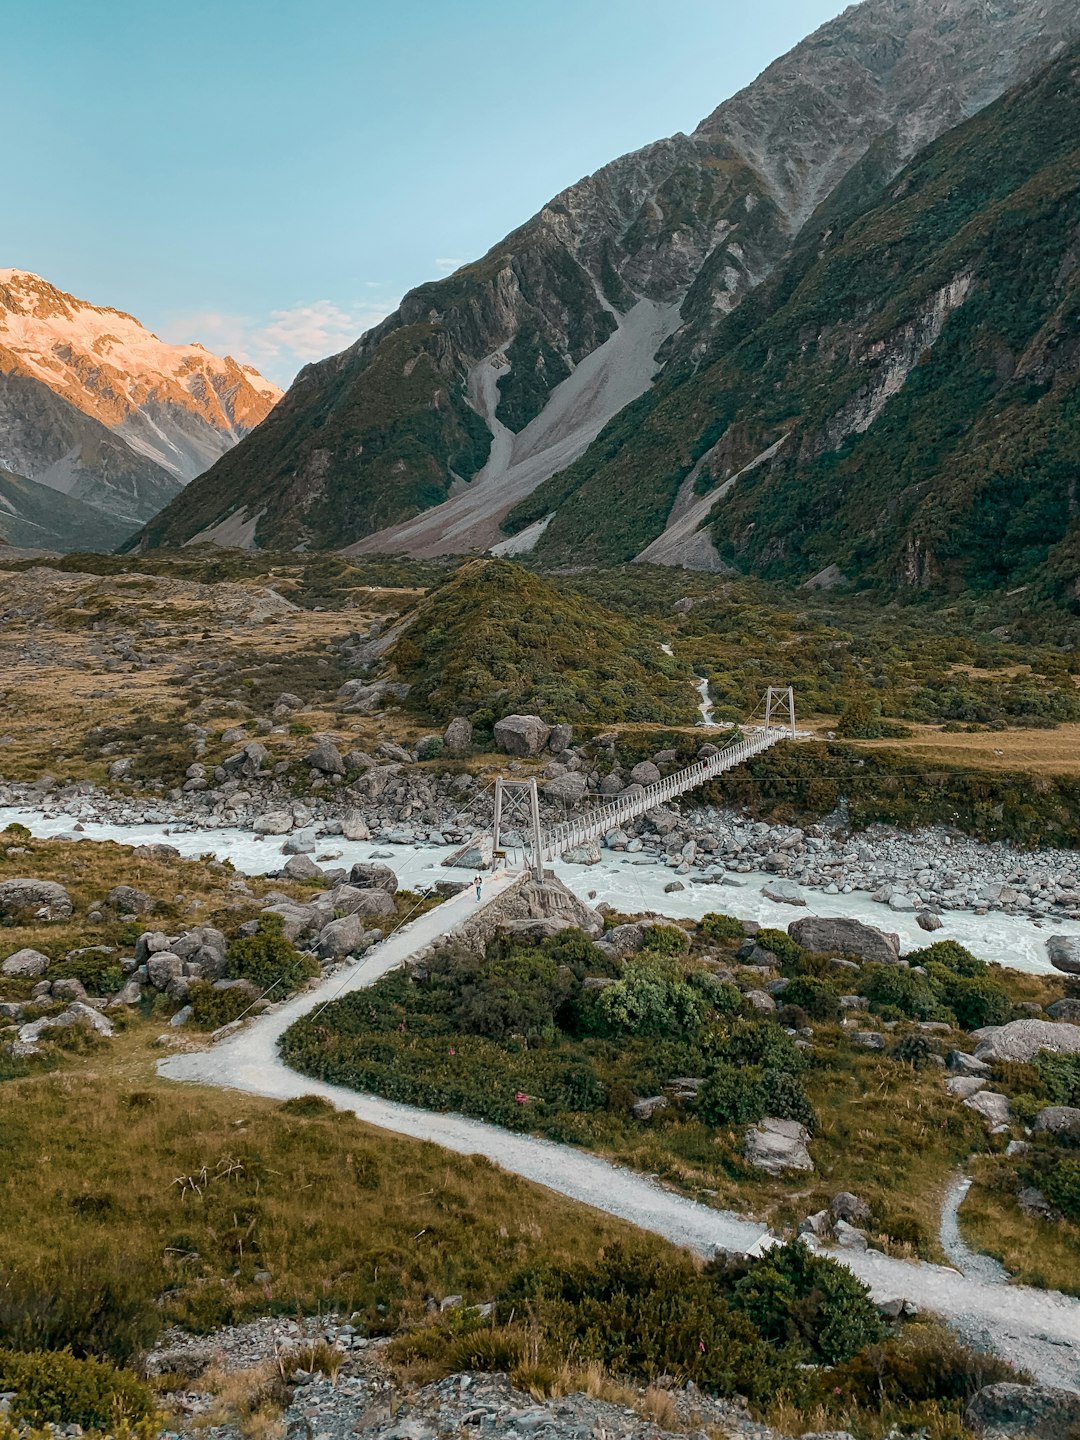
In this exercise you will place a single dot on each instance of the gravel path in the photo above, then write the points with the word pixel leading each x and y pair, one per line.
pixel 1039 1330
pixel 971 1265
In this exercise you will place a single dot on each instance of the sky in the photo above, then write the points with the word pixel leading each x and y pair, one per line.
pixel 269 177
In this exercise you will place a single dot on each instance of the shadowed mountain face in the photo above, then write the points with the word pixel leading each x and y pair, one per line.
pixel 425 433
pixel 96 407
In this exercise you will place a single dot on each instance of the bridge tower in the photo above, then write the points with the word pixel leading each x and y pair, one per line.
pixel 517 802
pixel 776 702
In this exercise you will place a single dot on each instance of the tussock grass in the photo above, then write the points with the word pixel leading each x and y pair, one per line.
pixel 130 1203
pixel 1035 1252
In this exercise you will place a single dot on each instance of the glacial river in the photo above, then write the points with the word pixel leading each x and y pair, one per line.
pixel 621 880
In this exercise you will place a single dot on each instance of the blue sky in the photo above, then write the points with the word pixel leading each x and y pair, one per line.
pixel 269 178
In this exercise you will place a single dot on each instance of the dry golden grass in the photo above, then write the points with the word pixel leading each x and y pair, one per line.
pixel 157 1203
pixel 252 1400
pixel 1036 752
pixel 1037 1252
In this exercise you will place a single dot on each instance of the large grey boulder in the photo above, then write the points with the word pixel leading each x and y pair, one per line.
pixel 341 937
pixel 457 738
pixel 296 920
pixel 34 900
pixel 1023 1412
pixel 645 774
pixel 777 1145
pixel 994 1108
pixel 1064 952
pixel 848 937
pixel 783 892
pixel 961 1063
pixel 521 734
pixel 353 901
pixel 566 789
pixel 1023 1039
pixel 325 756
pixel 77 1013
pixel 1054 1120
pixel 1065 1009
pixel 354 826
pixel 149 943
pixel 129 900
pixel 204 946
pixel 25 964
pixel 301 867
pixel 370 875
pixel 559 739
pixel 274 822
pixel 163 967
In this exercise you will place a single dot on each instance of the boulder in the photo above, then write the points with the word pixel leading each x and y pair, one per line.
pixel 1054 1120
pixel 645 774
pixel 457 738
pixel 369 875
pixel 521 735
pixel 68 989
pixel 566 789
pixel 963 1086
pixel 646 1109
pixel 341 937
pixel 301 867
pixel 777 1145
pixel 354 826
pixel 149 943
pixel 1065 1009
pixel 1023 1039
pixel 762 1001
pixel 852 1208
pixel 475 856
pixel 25 964
pixel 1022 1412
pixel 325 756
pixel 994 1108
pixel 274 822
pixel 927 920
pixel 848 937
pixel 34 900
pixel 300 842
pixel 354 901
pixel 849 1237
pixel 961 1063
pixel 1064 952
pixel 296 920
pixel 783 892
pixel 559 739
pixel 163 967
pixel 129 900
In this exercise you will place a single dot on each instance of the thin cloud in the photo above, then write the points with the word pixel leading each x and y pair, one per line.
pixel 282 343
pixel 447 266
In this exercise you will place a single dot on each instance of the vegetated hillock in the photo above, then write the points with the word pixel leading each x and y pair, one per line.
pixel 497 639
pixel 917 363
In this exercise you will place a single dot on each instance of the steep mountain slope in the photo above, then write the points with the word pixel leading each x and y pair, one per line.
pixel 49 440
pixel 178 405
pixel 899 403
pixel 32 515
pixel 482 386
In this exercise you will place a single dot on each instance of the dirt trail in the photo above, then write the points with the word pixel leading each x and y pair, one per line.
pixel 1034 1329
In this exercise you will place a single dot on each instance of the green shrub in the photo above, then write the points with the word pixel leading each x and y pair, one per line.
pixel 98 970
pixel 53 1387
pixel 742 1094
pixel 210 1008
pixel 894 988
pixel 951 954
pixel 665 940
pixel 268 959
pixel 649 1001
pixel 923 1363
pixel 803 1301
pixel 715 926
pixel 1059 1076
pixel 1061 1186
pixel 786 950
pixel 817 998
pixel 975 1001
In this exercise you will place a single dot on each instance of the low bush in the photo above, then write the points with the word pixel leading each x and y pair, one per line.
pixel 650 1000
pixel 715 926
pixel 1061 1186
pixel 923 1363
pixel 743 1094
pixel 895 992
pixel 210 1008
pixel 268 959
pixel 951 954
pixel 99 971
pixel 813 996
pixel 54 1387
pixel 786 950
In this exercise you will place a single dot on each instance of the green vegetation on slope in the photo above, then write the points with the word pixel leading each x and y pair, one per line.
pixel 963 478
pixel 497 639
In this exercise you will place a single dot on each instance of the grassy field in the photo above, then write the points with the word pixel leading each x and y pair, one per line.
pixel 130 1203
pixel 1034 752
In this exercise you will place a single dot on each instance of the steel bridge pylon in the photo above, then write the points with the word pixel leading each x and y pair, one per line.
pixel 518 802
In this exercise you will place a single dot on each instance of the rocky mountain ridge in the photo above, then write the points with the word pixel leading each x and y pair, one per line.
pixel 485 384
pixel 105 415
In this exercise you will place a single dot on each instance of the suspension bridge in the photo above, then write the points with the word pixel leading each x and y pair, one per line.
pixel 517 802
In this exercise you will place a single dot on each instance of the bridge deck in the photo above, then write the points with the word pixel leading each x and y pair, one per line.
pixel 605 818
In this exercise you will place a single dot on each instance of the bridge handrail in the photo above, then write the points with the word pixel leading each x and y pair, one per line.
pixel 605 818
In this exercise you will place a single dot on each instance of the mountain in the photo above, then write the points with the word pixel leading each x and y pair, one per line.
pixel 898 405
pixel 94 406
pixel 34 516
pixel 424 434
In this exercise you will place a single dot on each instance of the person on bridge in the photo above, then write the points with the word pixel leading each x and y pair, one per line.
pixel 479 885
